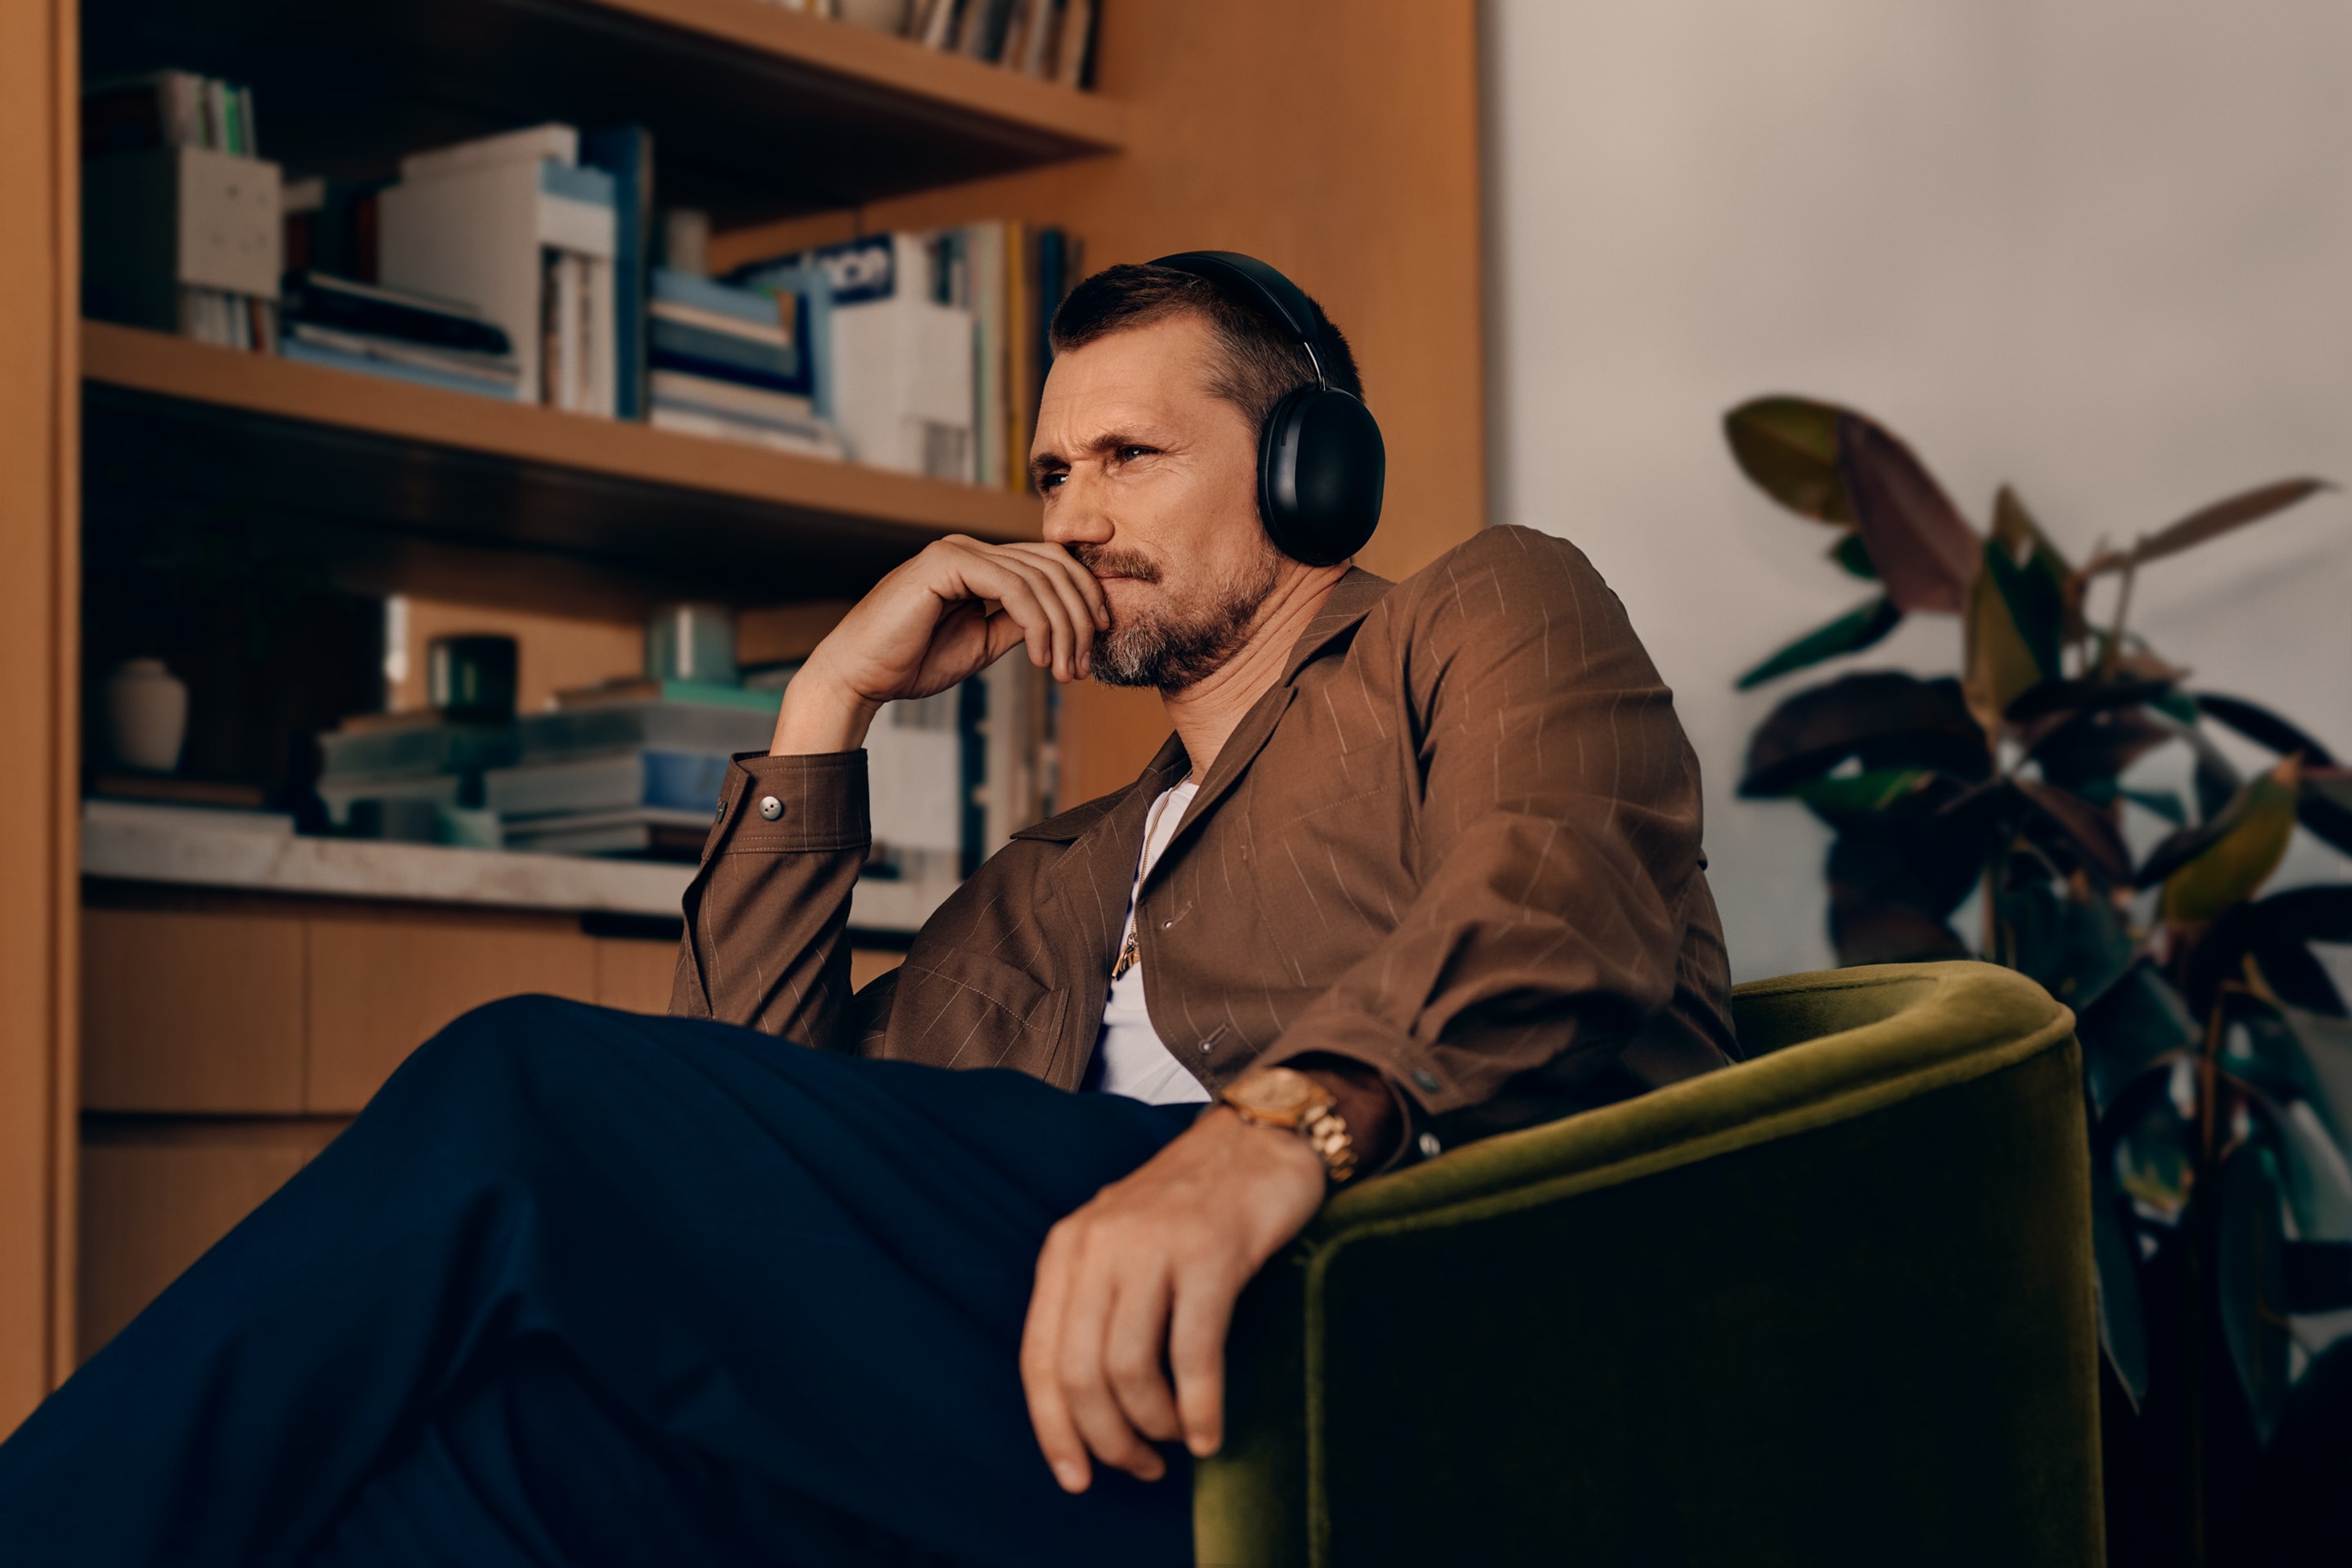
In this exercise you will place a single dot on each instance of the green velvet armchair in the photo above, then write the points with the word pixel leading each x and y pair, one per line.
pixel 1833 1305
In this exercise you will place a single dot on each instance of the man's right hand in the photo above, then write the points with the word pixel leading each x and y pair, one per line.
pixel 928 626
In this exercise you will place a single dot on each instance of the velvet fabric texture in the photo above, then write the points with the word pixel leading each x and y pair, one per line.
pixel 1833 1305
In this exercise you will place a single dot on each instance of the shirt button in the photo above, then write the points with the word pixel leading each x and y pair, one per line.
pixel 720 815
pixel 770 807
pixel 1427 1079
pixel 1430 1147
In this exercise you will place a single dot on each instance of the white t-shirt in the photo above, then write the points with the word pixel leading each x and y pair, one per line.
pixel 1130 1058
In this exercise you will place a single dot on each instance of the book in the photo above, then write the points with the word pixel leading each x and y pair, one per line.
pixel 321 299
pixel 650 832
pixel 339 793
pixel 531 246
pixel 665 723
pixel 1073 49
pixel 432 746
pixel 620 780
pixel 532 145
pixel 814 439
pixel 731 400
pixel 377 360
pixel 631 690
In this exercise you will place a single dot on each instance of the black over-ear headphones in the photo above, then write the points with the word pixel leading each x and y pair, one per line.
pixel 1322 464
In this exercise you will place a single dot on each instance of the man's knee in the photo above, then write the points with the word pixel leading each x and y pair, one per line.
pixel 508 1041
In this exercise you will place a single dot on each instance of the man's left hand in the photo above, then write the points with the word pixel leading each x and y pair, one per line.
pixel 1148 1272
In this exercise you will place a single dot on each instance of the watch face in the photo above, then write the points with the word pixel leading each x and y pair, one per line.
pixel 1276 1092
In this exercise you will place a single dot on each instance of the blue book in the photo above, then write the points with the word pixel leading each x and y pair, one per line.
pixel 301 353
pixel 676 346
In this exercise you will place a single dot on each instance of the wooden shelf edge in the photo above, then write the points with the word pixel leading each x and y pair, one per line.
pixel 170 366
pixel 894 65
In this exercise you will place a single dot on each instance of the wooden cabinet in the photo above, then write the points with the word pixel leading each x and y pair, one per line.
pixel 227 1038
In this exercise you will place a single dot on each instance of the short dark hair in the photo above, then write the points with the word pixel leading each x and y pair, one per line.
pixel 1261 361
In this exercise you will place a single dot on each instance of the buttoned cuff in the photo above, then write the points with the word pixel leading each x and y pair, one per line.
pixel 792 806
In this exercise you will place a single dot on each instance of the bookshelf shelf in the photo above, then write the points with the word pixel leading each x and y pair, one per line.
pixel 401 486
pixel 756 111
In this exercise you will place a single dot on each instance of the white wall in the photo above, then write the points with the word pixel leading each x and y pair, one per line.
pixel 2099 249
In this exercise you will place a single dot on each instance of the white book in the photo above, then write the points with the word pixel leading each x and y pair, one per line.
pixel 817 439
pixel 531 145
pixel 903 373
pixel 770 334
pixel 684 389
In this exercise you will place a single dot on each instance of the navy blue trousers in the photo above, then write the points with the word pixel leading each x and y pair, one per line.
pixel 583 1286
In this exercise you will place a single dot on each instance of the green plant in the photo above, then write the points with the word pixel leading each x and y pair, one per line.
pixel 2217 1054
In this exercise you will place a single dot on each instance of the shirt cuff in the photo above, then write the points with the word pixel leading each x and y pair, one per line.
pixel 792 806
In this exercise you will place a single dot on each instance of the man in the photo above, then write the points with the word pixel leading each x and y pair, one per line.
pixel 1421 862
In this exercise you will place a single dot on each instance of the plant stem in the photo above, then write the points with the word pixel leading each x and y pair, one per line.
pixel 2115 649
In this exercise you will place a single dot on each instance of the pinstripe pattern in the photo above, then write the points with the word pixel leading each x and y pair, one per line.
pixel 1458 841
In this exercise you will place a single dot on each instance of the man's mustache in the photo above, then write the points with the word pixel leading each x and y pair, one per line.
pixel 1105 561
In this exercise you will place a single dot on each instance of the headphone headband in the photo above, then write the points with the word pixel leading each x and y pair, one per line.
pixel 1252 282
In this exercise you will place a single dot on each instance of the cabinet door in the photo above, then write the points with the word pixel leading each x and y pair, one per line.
pixel 381 988
pixel 185 1012
pixel 634 974
pixel 153 1198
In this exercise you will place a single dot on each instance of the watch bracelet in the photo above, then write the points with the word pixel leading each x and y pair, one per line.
pixel 1329 1136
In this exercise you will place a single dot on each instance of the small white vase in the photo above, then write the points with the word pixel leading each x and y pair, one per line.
pixel 146 715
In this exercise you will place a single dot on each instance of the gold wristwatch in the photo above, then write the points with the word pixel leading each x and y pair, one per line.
pixel 1280 1097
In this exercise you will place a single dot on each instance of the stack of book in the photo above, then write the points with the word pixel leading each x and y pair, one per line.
pixel 928 348
pixel 517 226
pixel 738 363
pixel 386 331
pixel 631 767
pixel 180 212
pixel 1049 38
pixel 421 767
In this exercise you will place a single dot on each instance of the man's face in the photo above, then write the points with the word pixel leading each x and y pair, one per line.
pixel 1150 481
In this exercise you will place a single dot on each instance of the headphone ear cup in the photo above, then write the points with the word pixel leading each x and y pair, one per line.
pixel 1321 468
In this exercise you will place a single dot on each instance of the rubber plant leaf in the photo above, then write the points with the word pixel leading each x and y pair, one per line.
pixel 1857 629
pixel 1788 446
pixel 2236 865
pixel 2217 782
pixel 2123 1321
pixel 1850 795
pixel 1926 553
pixel 2154 1159
pixel 2138 1023
pixel 1885 719
pixel 2211 521
pixel 2328 1053
pixel 2090 831
pixel 2326 805
pixel 2045 591
pixel 1853 556
pixel 2083 697
pixel 2250 1277
pixel 2264 728
pixel 2318 1178
pixel 1999 658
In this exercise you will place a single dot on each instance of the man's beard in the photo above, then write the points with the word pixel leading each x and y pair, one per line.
pixel 1175 645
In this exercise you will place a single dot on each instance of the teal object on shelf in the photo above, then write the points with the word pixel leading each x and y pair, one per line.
pixel 1833 1305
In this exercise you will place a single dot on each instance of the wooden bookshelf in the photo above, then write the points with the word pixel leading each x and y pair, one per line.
pixel 1360 176
pixel 404 486
pixel 756 111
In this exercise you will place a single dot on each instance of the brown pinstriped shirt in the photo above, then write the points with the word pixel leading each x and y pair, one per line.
pixel 1458 841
